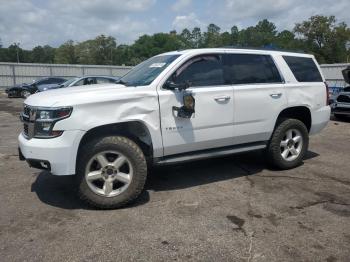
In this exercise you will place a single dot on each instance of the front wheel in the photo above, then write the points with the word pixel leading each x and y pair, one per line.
pixel 288 144
pixel 111 172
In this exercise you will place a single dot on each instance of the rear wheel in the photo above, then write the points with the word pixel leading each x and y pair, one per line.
pixel 111 172
pixel 288 144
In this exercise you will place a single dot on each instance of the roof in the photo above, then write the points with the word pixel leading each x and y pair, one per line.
pixel 236 50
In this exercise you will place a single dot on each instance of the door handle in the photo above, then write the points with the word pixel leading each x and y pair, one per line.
pixel 222 98
pixel 276 95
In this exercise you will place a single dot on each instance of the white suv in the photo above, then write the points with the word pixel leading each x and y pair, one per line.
pixel 175 107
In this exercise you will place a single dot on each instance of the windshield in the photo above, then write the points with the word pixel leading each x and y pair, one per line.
pixel 144 73
pixel 68 82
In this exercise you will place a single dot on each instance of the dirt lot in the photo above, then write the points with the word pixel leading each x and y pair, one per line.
pixel 229 209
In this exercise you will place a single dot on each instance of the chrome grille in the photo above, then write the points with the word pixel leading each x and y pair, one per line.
pixel 25 129
pixel 26 110
pixel 28 118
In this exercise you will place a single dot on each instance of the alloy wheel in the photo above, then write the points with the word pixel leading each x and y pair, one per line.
pixel 109 173
pixel 291 144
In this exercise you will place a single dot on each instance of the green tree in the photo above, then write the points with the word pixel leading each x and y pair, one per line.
pixel 197 37
pixel 212 36
pixel 263 34
pixel 324 37
pixel 97 51
pixel 65 54
pixel 43 54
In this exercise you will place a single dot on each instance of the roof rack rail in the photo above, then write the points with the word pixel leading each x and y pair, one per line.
pixel 269 48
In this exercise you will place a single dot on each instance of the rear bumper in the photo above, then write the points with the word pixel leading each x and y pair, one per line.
pixel 320 119
pixel 57 155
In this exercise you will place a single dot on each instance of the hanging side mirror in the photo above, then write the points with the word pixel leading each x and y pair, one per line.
pixel 188 108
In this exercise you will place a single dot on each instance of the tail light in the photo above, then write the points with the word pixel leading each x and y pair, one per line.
pixel 327 93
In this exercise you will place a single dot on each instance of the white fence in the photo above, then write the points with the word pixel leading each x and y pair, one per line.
pixel 17 73
pixel 333 75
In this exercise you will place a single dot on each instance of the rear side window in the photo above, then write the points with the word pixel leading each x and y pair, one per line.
pixel 250 69
pixel 303 68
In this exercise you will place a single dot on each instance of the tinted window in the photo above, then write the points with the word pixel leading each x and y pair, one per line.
pixel 250 69
pixel 45 81
pixel 201 71
pixel 89 81
pixel 85 81
pixel 52 81
pixel 303 68
pixel 58 80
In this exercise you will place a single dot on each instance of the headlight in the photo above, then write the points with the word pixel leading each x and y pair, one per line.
pixel 46 119
pixel 40 121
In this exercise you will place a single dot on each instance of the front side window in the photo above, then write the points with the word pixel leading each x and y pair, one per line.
pixel 250 69
pixel 89 81
pixel 203 70
pixel 303 68
pixel 80 82
pixel 70 81
pixel 144 73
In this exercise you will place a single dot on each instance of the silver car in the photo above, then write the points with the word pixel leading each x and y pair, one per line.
pixel 81 81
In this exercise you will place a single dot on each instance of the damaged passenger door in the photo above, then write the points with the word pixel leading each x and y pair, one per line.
pixel 196 106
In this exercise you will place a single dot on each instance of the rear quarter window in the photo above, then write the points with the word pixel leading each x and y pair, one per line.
pixel 303 68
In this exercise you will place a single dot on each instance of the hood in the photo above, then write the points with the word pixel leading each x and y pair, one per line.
pixel 48 87
pixel 20 85
pixel 346 74
pixel 79 95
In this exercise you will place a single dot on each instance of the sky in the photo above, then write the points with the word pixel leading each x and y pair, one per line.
pixel 53 22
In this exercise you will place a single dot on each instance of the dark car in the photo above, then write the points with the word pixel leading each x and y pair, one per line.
pixel 24 90
pixel 341 105
pixel 80 81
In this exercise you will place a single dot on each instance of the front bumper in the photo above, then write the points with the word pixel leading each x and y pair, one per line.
pixel 341 108
pixel 59 154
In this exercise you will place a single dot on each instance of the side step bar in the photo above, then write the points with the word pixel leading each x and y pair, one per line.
pixel 209 153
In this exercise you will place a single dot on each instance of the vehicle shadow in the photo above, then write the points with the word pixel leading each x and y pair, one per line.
pixel 61 192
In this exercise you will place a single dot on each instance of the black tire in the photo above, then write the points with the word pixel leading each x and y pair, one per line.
pixel 273 151
pixel 137 159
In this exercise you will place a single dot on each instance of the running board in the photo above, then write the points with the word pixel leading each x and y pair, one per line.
pixel 209 153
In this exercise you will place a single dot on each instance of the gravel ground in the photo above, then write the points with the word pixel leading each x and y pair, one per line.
pixel 227 209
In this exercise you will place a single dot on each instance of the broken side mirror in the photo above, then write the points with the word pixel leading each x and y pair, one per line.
pixel 188 108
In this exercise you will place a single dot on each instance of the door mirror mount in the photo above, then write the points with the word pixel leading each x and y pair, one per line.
pixel 188 108
pixel 174 86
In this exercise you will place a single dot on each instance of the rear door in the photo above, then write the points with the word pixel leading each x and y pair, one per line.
pixel 212 123
pixel 259 95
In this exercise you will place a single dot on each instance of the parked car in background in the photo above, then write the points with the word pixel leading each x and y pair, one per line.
pixel 341 104
pixel 81 81
pixel 24 90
